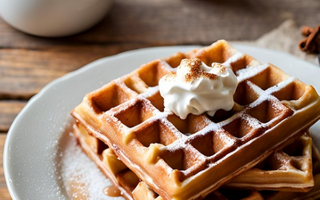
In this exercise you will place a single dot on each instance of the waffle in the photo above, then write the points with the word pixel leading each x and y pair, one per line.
pixel 314 193
pixel 186 159
pixel 287 169
pixel 131 186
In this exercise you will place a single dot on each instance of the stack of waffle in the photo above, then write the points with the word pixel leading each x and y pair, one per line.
pixel 261 149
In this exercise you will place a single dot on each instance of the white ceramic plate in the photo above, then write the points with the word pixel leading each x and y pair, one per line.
pixel 35 141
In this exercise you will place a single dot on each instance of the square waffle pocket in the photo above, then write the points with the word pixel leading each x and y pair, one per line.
pixel 301 150
pixel 287 169
pixel 186 159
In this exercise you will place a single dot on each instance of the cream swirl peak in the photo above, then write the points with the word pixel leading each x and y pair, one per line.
pixel 197 88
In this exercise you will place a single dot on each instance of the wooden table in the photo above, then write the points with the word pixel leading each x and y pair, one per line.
pixel 27 63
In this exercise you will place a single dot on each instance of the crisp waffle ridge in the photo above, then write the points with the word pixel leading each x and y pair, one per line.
pixel 287 169
pixel 185 159
pixel 133 188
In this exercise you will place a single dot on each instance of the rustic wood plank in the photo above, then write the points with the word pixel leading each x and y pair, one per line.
pixel 8 111
pixel 2 140
pixel 27 63
pixel 178 22
pixel 4 194
pixel 24 72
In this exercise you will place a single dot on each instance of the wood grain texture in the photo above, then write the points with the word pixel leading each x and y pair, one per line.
pixel 8 111
pixel 170 22
pixel 27 63
pixel 4 194
pixel 23 72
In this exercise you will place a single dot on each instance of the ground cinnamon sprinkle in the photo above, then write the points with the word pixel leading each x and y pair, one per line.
pixel 196 71
pixel 311 43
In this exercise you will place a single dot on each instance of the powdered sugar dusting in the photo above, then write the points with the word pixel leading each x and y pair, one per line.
pixel 246 73
pixel 150 92
pixel 237 56
pixel 252 122
pixel 281 85
pixel 80 177
pixel 177 144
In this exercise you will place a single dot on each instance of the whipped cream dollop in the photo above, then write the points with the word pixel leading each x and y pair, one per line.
pixel 197 88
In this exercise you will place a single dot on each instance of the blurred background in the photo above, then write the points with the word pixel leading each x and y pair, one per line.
pixel 29 62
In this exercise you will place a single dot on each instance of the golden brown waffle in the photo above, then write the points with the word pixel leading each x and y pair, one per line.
pixel 288 169
pixel 131 186
pixel 313 194
pixel 185 159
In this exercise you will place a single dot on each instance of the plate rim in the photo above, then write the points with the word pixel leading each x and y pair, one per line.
pixel 85 69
